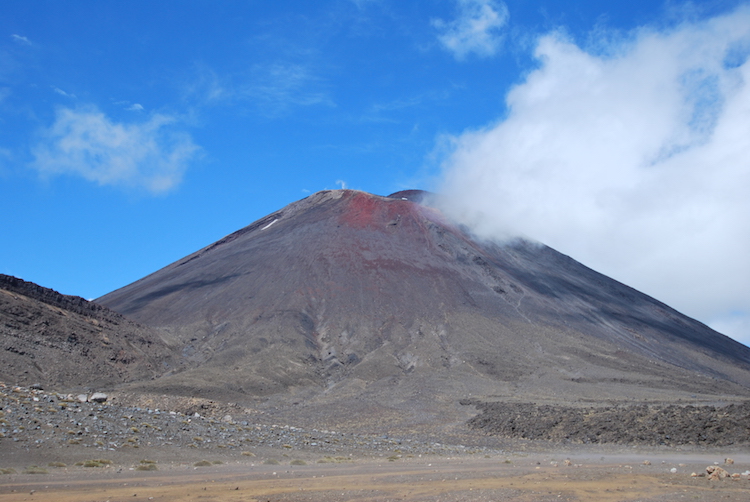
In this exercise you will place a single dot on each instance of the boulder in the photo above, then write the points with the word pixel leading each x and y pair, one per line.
pixel 98 397
pixel 716 473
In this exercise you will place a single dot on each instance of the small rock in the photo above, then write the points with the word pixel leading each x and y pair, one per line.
pixel 673 470
pixel 36 386
pixel 98 397
pixel 82 398
pixel 646 462
pixel 728 461
pixel 736 475
pixel 694 475
pixel 715 473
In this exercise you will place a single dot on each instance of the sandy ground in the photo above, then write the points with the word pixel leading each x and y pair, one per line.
pixel 522 477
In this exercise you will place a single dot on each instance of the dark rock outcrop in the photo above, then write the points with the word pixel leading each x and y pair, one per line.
pixel 61 341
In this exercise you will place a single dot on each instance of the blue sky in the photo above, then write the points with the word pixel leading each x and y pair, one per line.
pixel 134 133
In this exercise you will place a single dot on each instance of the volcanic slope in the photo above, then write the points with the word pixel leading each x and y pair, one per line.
pixel 379 302
pixel 66 342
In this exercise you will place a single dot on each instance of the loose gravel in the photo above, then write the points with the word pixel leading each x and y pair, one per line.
pixel 34 418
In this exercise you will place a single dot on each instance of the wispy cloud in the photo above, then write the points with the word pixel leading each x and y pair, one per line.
pixel 477 29
pixel 20 39
pixel 129 106
pixel 59 91
pixel 634 162
pixel 392 111
pixel 361 4
pixel 279 86
pixel 206 86
pixel 5 156
pixel 274 88
pixel 152 154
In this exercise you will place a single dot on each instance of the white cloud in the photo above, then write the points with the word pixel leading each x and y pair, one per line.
pixel 635 162
pixel 135 107
pixel 59 91
pixel 476 30
pixel 86 143
pixel 20 39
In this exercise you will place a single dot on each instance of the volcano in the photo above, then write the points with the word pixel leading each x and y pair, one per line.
pixel 381 303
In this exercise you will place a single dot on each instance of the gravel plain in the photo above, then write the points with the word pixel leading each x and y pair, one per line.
pixel 56 446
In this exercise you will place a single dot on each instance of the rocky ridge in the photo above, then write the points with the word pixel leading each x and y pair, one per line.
pixel 66 341
pixel 634 424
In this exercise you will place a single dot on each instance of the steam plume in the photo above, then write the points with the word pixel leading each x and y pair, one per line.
pixel 633 158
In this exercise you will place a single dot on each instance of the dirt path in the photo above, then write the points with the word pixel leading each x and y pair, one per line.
pixel 532 478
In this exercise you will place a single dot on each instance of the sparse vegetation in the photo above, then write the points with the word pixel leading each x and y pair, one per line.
pixel 56 464
pixel 35 469
pixel 334 460
pixel 271 461
pixel 99 462
pixel 203 463
pixel 7 471
pixel 297 462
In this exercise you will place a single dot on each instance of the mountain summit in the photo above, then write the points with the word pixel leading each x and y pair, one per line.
pixel 350 297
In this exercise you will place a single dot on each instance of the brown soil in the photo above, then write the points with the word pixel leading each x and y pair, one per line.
pixel 521 478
